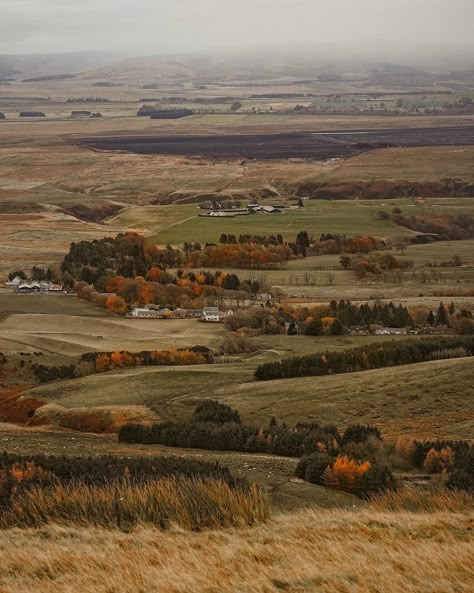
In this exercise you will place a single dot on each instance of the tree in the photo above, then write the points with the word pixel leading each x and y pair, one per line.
pixel 292 330
pixel 337 329
pixel 20 273
pixel 302 242
pixel 314 327
pixel 345 473
pixel 102 363
pixel 441 316
pixel 431 318
pixel 213 411
pixel 438 461
pixel 116 304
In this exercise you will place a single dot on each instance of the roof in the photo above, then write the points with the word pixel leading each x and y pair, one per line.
pixel 211 309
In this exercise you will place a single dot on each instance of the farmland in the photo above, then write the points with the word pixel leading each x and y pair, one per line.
pixel 311 145
pixel 154 174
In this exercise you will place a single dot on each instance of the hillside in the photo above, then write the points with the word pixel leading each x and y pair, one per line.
pixel 434 400
pixel 19 67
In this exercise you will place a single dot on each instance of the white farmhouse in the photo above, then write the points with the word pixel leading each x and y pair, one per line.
pixel 211 314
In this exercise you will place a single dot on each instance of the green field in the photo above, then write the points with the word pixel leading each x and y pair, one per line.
pixel 317 216
pixel 176 224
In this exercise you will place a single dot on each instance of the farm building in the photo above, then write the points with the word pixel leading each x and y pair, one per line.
pixel 264 209
pixel 148 313
pixel 27 287
pixel 23 286
pixel 211 314
pixel 391 331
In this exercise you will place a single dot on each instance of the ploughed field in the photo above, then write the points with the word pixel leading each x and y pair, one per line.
pixel 313 145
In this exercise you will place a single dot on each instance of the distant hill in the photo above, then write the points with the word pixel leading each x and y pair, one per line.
pixel 20 67
pixel 245 68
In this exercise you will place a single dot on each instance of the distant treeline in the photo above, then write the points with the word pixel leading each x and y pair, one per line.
pixel 158 113
pixel 370 356
pixel 32 114
pixel 382 189
pixel 442 228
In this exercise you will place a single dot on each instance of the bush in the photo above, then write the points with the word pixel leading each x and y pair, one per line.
pixel 212 411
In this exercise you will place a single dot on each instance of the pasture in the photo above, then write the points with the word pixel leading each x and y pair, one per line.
pixel 426 399
pixel 71 334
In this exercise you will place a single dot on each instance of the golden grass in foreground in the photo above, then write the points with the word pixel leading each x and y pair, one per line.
pixel 311 551
pixel 186 503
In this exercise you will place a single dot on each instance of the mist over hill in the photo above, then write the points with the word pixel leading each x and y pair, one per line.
pixel 233 68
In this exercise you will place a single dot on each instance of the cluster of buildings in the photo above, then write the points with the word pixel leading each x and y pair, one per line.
pixel 249 209
pixel 22 286
pixel 208 314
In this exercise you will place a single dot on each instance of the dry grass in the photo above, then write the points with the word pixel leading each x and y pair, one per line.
pixel 418 501
pixel 324 551
pixel 185 503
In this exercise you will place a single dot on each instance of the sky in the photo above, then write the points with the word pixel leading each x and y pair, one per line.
pixel 149 27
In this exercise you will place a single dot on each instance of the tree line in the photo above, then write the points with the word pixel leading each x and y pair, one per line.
pixel 370 356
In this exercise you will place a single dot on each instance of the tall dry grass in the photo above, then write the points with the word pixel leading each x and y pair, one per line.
pixel 335 551
pixel 418 501
pixel 188 503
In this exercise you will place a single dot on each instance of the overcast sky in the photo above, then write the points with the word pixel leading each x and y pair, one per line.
pixel 144 27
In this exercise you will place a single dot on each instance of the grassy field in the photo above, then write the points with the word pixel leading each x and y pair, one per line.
pixel 71 333
pixel 411 164
pixel 434 400
pixel 177 223
pixel 326 551
pixel 316 217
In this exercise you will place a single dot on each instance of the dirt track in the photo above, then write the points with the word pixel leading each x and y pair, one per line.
pixel 309 145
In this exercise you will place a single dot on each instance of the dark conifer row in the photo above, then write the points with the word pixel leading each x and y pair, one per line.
pixel 370 356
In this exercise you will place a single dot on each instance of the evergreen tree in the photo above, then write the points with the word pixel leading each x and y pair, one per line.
pixel 431 318
pixel 441 316
pixel 337 329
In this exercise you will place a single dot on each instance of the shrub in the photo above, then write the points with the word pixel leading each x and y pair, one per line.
pixel 438 461
pixel 212 411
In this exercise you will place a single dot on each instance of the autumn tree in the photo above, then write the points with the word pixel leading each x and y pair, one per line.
pixel 345 473
pixel 116 304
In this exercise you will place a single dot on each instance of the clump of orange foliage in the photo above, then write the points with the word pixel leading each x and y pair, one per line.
pixel 22 471
pixel 345 473
pixel 439 461
pixel 117 360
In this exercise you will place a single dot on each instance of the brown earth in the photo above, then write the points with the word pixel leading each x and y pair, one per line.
pixel 310 145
